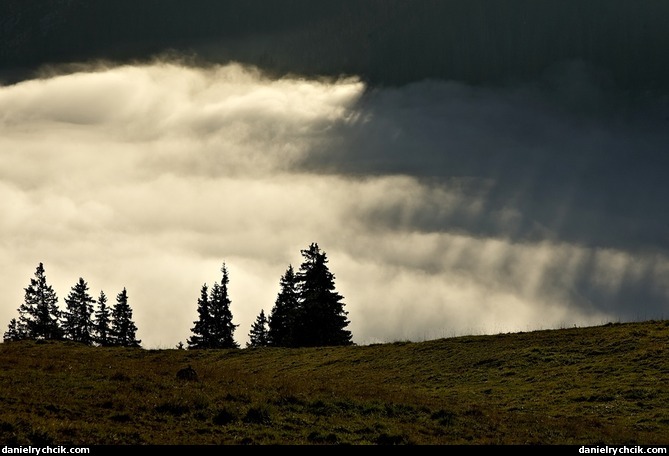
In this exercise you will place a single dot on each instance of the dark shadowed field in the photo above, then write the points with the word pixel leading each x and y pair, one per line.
pixel 605 385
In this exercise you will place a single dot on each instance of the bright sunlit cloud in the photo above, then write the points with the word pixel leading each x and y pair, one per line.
pixel 150 177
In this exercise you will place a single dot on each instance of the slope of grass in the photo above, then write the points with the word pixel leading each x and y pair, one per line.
pixel 598 385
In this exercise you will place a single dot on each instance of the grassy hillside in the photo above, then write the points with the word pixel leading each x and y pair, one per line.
pixel 596 385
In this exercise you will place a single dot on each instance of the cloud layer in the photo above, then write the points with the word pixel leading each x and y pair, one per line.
pixel 444 210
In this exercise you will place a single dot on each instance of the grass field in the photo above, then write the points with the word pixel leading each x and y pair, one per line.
pixel 604 385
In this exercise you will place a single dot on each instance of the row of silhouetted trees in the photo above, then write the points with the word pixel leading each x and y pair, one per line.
pixel 41 318
pixel 308 311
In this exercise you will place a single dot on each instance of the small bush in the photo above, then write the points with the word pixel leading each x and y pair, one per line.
pixel 258 415
pixel 225 416
pixel 444 417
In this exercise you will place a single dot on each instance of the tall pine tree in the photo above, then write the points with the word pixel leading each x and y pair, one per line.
pixel 77 318
pixel 123 329
pixel 222 329
pixel 283 316
pixel 201 337
pixel 321 317
pixel 214 327
pixel 39 315
pixel 258 335
pixel 102 321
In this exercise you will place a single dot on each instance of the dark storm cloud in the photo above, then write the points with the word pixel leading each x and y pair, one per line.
pixel 567 163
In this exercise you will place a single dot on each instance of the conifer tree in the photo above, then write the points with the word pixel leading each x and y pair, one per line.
pixel 14 331
pixel 222 329
pixel 283 316
pixel 77 318
pixel 123 329
pixel 201 337
pixel 39 315
pixel 102 322
pixel 258 336
pixel 321 317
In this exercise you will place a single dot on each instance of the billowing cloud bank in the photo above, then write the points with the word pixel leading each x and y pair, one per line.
pixel 150 177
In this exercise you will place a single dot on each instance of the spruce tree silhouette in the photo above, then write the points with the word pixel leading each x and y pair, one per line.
pixel 102 321
pixel 77 318
pixel 321 318
pixel 258 336
pixel 201 337
pixel 283 316
pixel 123 329
pixel 39 315
pixel 214 327
pixel 14 331
pixel 222 329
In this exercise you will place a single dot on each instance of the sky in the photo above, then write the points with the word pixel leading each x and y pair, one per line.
pixel 444 209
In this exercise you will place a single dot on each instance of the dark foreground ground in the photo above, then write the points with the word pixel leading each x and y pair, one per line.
pixel 605 385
